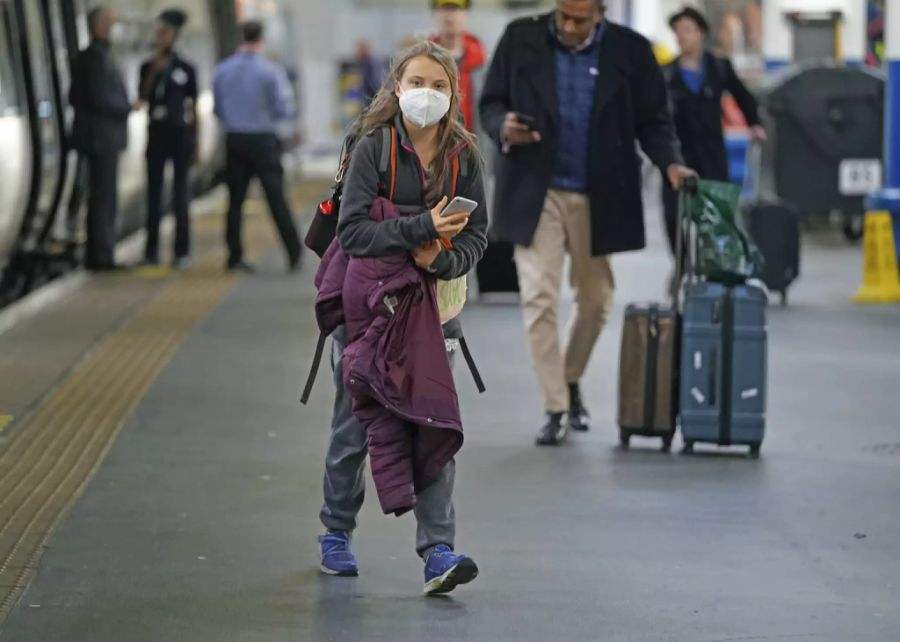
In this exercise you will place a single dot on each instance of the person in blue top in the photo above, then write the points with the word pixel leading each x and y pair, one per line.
pixel 252 94
pixel 696 80
pixel 168 86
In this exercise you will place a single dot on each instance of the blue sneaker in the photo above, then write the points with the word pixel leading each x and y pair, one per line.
pixel 337 558
pixel 445 570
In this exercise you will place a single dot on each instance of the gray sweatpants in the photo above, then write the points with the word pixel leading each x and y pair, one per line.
pixel 345 463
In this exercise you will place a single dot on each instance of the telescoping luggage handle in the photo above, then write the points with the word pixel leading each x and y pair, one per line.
pixel 685 198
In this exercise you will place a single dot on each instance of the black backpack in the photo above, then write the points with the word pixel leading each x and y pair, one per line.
pixel 323 228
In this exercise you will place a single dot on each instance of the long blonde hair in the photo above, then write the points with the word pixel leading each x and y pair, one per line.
pixel 452 132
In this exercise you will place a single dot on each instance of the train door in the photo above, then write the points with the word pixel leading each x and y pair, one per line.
pixel 46 112
pixel 16 152
pixel 43 52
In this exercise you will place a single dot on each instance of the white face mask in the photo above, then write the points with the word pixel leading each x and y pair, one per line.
pixel 424 107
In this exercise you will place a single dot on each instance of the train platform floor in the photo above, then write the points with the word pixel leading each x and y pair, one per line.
pixel 168 482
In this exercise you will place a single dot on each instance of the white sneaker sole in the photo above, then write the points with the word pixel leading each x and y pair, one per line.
pixel 334 573
pixel 462 573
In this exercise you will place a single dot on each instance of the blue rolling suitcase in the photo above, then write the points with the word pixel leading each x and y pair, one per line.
pixel 723 366
pixel 723 357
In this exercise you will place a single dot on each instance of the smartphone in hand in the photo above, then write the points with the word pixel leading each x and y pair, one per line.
pixel 526 120
pixel 459 205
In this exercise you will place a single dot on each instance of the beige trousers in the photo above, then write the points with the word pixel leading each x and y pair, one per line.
pixel 565 227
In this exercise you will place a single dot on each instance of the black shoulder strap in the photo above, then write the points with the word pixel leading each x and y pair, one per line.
pixel 314 369
pixel 669 73
pixel 387 161
pixel 721 66
pixel 386 144
pixel 470 361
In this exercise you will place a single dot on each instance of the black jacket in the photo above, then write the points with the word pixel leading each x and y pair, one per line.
pixel 100 102
pixel 171 94
pixel 360 236
pixel 630 104
pixel 698 117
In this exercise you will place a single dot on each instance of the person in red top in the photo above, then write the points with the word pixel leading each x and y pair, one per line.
pixel 450 17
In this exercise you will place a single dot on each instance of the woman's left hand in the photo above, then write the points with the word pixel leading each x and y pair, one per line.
pixel 425 256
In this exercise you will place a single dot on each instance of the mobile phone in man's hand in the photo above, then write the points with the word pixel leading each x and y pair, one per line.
pixel 526 120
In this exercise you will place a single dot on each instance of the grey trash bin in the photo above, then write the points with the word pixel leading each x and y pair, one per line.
pixel 826 138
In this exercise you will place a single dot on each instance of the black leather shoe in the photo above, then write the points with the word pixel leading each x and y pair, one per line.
pixel 107 267
pixel 579 419
pixel 554 431
pixel 243 266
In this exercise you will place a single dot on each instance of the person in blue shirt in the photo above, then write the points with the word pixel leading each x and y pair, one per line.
pixel 168 86
pixel 696 80
pixel 252 94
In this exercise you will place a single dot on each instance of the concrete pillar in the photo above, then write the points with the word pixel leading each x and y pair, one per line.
pixel 892 97
pixel 316 25
pixel 881 275
pixel 777 39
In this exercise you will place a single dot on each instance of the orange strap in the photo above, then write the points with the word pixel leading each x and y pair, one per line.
pixel 393 162
pixel 454 177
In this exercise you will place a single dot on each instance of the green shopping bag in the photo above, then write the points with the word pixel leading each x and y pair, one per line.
pixel 725 251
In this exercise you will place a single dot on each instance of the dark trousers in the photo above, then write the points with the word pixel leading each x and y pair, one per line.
pixel 257 155
pixel 102 203
pixel 168 145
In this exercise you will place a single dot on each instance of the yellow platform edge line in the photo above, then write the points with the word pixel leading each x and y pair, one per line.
pixel 56 450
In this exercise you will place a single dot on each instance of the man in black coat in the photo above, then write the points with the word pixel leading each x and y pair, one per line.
pixel 100 134
pixel 566 97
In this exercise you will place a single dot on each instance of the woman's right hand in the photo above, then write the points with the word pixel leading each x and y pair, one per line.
pixel 448 227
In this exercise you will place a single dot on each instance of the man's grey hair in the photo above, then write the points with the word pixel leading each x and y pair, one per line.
pixel 599 5
pixel 93 17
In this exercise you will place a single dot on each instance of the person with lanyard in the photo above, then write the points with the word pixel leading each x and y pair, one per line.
pixel 696 80
pixel 168 86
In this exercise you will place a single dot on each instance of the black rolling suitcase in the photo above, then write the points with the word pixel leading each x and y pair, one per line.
pixel 775 229
pixel 496 271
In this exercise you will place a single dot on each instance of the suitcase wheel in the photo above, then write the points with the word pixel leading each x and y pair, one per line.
pixel 688 448
pixel 667 444
pixel 625 439
pixel 754 450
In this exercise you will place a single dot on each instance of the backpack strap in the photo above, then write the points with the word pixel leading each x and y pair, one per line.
pixel 387 164
pixel 454 183
pixel 314 369
pixel 470 361
pixel 385 160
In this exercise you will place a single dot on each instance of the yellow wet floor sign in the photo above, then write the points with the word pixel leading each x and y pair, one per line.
pixel 881 281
